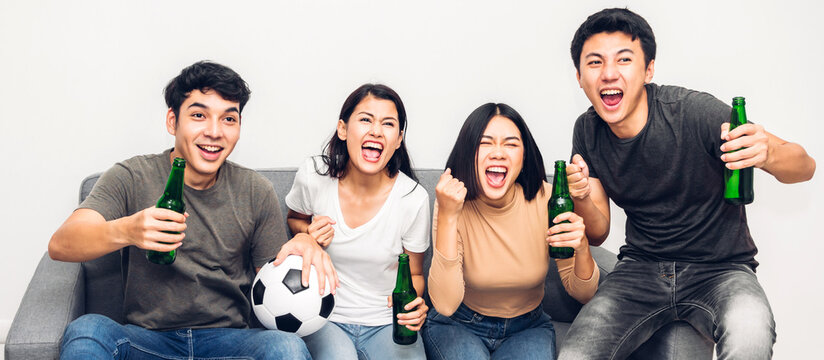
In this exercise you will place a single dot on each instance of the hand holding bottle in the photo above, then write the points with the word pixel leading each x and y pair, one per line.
pixel 569 231
pixel 413 319
pixel 750 140
pixel 153 228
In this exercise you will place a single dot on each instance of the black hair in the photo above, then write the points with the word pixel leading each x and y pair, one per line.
pixel 336 156
pixel 463 158
pixel 609 21
pixel 204 76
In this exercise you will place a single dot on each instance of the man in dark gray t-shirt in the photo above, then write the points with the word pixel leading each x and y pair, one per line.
pixel 198 305
pixel 659 153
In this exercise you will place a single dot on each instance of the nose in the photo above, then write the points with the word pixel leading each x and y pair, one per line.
pixel 375 129
pixel 610 72
pixel 497 152
pixel 212 128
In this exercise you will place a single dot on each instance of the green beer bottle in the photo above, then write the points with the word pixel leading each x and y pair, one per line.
pixel 560 202
pixel 171 199
pixel 738 183
pixel 403 294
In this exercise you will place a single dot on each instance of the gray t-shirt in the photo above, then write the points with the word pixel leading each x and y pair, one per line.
pixel 669 179
pixel 233 227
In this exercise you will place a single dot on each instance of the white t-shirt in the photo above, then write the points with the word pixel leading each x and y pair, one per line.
pixel 366 257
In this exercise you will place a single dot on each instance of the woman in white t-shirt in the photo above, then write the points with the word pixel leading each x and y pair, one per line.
pixel 361 201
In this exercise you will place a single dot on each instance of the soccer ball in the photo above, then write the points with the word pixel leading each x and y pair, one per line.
pixel 281 302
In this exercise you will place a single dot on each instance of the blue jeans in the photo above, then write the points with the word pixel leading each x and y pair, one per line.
pixel 350 341
pixel 94 336
pixel 469 335
pixel 724 302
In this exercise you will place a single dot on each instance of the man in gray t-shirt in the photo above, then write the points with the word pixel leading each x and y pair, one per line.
pixel 197 306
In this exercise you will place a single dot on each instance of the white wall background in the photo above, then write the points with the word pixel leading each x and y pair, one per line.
pixel 81 88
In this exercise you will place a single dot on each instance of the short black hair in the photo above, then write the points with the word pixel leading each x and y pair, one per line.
pixel 463 160
pixel 204 76
pixel 609 21
pixel 336 156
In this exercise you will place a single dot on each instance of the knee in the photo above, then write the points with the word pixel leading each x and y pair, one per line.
pixel 281 345
pixel 89 326
pixel 749 317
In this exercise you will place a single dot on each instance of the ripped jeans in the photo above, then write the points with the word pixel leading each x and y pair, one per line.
pixel 724 302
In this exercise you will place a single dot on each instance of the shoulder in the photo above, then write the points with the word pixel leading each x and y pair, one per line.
pixel 247 178
pixel 588 119
pixel 141 166
pixel 668 95
pixel 411 191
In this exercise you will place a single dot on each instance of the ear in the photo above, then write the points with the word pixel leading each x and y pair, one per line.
pixel 400 140
pixel 578 77
pixel 341 130
pixel 171 122
pixel 650 72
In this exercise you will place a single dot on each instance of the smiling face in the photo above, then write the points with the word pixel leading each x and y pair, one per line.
pixel 612 75
pixel 372 134
pixel 206 131
pixel 500 158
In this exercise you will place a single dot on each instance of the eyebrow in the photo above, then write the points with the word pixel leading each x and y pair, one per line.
pixel 505 139
pixel 386 118
pixel 199 105
pixel 601 56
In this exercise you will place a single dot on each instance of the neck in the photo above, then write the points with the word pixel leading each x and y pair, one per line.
pixel 359 182
pixel 635 121
pixel 499 203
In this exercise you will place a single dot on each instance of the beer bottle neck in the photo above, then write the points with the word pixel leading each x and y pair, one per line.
pixel 739 115
pixel 559 181
pixel 174 186
pixel 404 280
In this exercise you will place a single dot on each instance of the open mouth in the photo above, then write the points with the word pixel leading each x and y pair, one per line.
pixel 496 176
pixel 371 151
pixel 210 152
pixel 611 97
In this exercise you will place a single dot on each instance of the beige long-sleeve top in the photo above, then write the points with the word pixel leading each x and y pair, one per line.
pixel 502 260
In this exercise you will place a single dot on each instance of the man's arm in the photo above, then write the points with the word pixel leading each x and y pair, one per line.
pixel 787 162
pixel 86 235
pixel 591 201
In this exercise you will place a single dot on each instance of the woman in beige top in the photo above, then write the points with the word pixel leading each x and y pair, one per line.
pixel 491 240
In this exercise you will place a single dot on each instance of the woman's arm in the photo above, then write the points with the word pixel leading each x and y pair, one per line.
pixel 318 227
pixel 579 274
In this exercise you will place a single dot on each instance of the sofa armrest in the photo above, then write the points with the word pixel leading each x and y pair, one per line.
pixel 604 258
pixel 54 298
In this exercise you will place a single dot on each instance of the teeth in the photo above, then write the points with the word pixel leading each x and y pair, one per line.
pixel 611 92
pixel 372 145
pixel 210 148
pixel 497 169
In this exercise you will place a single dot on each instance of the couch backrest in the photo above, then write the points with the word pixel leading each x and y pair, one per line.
pixel 104 284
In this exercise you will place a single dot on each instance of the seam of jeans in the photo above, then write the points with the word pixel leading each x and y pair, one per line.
pixel 434 345
pixel 674 289
pixel 631 330
pixel 140 348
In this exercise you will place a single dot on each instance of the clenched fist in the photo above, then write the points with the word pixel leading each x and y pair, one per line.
pixel 450 193
pixel 578 178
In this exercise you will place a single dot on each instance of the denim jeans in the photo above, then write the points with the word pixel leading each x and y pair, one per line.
pixel 350 341
pixel 95 336
pixel 724 302
pixel 469 335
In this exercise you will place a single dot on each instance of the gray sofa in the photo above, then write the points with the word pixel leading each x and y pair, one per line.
pixel 60 292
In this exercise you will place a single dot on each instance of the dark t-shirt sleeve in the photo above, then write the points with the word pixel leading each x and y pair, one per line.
pixel 270 232
pixel 578 146
pixel 708 114
pixel 110 193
